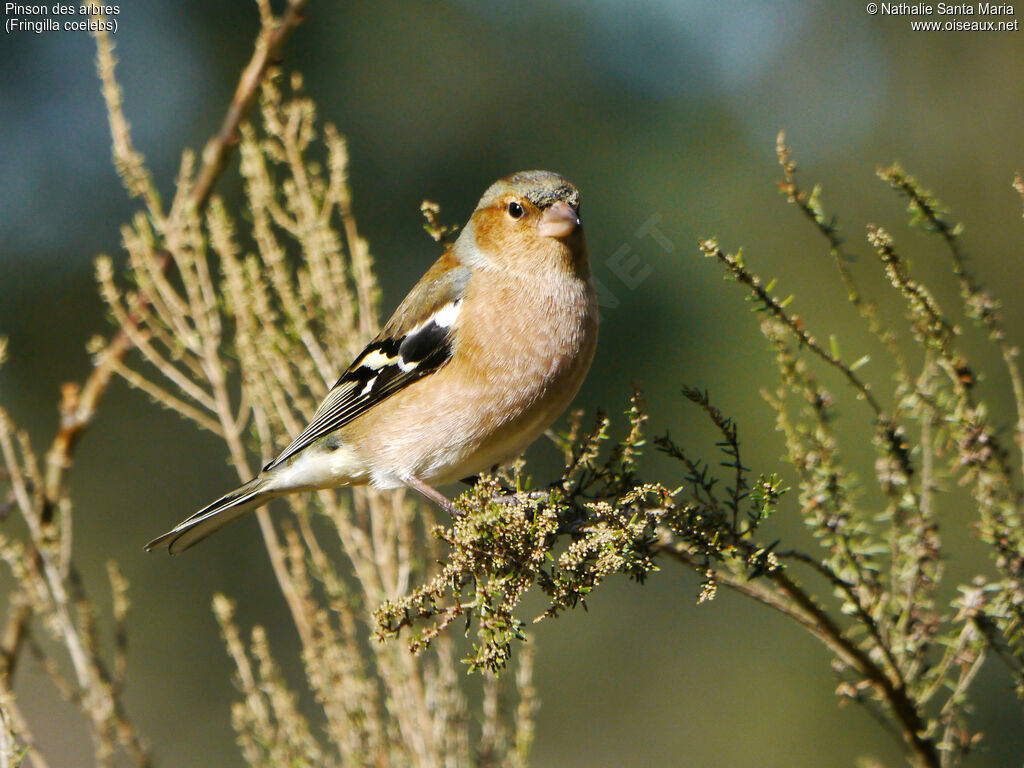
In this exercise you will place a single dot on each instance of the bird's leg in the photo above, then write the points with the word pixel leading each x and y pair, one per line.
pixel 433 494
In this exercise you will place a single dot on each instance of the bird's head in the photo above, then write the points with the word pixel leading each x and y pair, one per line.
pixel 523 220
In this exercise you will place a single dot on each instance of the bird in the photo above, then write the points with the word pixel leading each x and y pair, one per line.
pixel 480 358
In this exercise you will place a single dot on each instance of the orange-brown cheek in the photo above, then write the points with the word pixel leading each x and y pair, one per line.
pixel 512 241
pixel 489 231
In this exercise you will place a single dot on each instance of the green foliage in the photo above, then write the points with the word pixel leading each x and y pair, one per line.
pixel 599 519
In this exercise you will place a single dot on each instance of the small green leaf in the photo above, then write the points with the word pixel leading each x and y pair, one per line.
pixel 860 362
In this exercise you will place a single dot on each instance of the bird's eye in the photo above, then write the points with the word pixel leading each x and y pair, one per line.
pixel 515 210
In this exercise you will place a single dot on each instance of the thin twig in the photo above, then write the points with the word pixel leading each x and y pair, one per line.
pixel 862 612
pixel 810 205
pixel 79 404
pixel 753 284
pixel 978 302
pixel 788 598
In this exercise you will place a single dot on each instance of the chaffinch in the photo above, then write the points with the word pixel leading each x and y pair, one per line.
pixel 485 352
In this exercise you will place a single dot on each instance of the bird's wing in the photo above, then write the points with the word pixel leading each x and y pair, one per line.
pixel 416 342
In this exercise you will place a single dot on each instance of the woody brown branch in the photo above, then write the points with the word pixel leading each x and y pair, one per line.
pixel 790 599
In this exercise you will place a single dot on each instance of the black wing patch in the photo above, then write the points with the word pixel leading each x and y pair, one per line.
pixel 386 365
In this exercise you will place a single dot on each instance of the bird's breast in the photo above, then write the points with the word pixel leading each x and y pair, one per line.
pixel 519 357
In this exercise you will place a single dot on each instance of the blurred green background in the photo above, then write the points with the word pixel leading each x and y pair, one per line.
pixel 662 112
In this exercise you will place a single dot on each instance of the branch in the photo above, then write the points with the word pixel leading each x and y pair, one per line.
pixel 273 35
pixel 791 600
pixel 735 267
pixel 79 403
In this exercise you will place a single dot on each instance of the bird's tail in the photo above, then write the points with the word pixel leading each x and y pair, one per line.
pixel 212 518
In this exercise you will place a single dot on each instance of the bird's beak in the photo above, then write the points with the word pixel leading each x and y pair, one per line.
pixel 560 220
